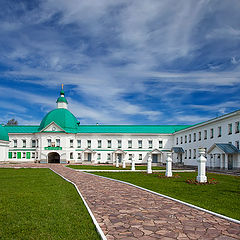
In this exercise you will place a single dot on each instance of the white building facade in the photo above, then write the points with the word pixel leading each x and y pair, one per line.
pixel 61 139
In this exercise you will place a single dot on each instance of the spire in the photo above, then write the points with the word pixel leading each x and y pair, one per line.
pixel 62 101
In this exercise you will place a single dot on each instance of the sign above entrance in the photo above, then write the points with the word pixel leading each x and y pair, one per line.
pixel 53 148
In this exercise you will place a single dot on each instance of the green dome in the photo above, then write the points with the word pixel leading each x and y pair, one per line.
pixel 63 118
pixel 3 134
pixel 62 99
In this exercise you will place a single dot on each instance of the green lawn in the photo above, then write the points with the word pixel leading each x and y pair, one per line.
pixel 38 204
pixel 223 198
pixel 111 167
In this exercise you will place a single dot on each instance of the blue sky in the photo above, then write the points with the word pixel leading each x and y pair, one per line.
pixel 121 61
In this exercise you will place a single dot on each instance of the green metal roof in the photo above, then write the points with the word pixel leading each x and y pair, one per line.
pixel 3 134
pixel 63 118
pixel 164 129
pixel 62 99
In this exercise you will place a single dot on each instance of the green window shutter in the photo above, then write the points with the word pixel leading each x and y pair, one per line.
pixel 28 155
pixel 9 154
pixel 19 155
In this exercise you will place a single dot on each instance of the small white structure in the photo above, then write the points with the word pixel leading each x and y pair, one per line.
pixel 149 164
pixel 169 165
pixel 124 162
pixel 201 166
pixel 133 164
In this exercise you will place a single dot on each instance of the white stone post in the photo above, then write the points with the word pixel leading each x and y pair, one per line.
pixel 117 161
pixel 201 166
pixel 133 164
pixel 169 165
pixel 124 162
pixel 149 163
pixel 226 162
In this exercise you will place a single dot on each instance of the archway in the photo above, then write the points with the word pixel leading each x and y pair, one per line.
pixel 53 157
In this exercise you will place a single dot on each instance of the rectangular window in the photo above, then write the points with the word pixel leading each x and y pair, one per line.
pixel 71 155
pixel 19 155
pixel 211 133
pixel 205 134
pixel 108 156
pixel 33 154
pixel 185 154
pixel 229 129
pixel 185 138
pixel 23 155
pixel 99 156
pixel 139 143
pixel 194 137
pixel 199 136
pixel 130 157
pixel 71 143
pixel 36 155
pixel 79 143
pixel 236 127
pixel 194 153
pixel 79 155
pixel 190 153
pixel 129 143
pixel 140 157
pixel 28 155
pixel 189 138
pixel 99 143
pixel 14 155
pixel 57 142
pixel 89 143
pixel 33 143
pixel 109 143
pixel 15 143
pixel 24 143
pixel 119 143
pixel 10 155
pixel 37 143
pixel 160 144
pixel 176 141
pixel 237 144
pixel 49 142
pixel 219 131
pixel 150 144
pixel 181 140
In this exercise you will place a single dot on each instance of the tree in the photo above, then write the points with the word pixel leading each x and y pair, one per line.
pixel 12 122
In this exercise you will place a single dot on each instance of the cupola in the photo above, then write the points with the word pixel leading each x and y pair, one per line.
pixel 62 101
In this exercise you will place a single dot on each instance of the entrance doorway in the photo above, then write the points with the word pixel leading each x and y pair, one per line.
pixel 53 157
pixel 154 158
pixel 119 157
pixel 89 157
pixel 230 162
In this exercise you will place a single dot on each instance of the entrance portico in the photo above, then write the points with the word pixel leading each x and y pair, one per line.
pixel 156 156
pixel 53 157
pixel 118 155
pixel 88 155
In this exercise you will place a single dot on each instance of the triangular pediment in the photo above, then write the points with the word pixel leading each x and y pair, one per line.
pixel 52 127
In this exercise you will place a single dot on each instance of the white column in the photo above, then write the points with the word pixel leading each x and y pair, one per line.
pixel 124 161
pixel 214 160
pixel 221 161
pixel 226 161
pixel 201 166
pixel 169 165
pixel 133 164
pixel 149 163
pixel 117 160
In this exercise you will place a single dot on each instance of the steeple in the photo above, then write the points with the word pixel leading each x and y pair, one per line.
pixel 62 101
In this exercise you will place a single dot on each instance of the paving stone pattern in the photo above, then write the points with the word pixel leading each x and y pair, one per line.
pixel 128 213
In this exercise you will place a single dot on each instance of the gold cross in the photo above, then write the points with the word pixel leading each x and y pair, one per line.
pixel 62 86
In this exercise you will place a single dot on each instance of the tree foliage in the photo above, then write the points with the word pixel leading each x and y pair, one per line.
pixel 12 122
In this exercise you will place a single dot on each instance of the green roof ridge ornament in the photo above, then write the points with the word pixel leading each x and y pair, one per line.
pixel 62 101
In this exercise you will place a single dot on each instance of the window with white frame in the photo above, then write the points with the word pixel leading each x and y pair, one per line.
pixel 36 155
pixel 190 153
pixel 108 156
pixel 130 157
pixel 37 143
pixel 230 128
pixel 119 143
pixel 129 143
pixel 194 137
pixel 24 143
pixel 109 143
pixel 237 127
pixel 205 134
pixel 211 133
pixel 181 140
pixel 139 143
pixel 150 144
pixel 237 144
pixel 199 136
pixel 176 141
pixel 99 143
pixel 49 142
pixel 33 143
pixel 71 143
pixel 89 143
pixel 140 157
pixel 185 154
pixel 14 154
pixel 71 155
pixel 79 143
pixel 99 156
pixel 185 138
pixel 194 153
pixel 160 144
pixel 15 143
pixel 33 154
pixel 219 131
pixel 24 155
pixel 189 138
pixel 79 155
pixel 57 142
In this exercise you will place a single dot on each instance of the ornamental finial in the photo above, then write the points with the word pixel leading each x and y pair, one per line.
pixel 62 86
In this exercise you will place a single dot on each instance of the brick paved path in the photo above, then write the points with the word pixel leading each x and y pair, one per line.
pixel 126 212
